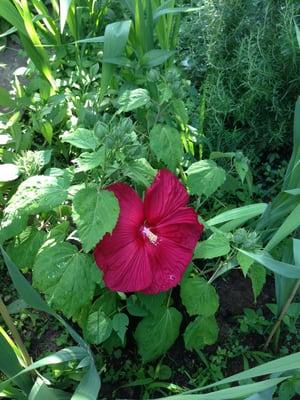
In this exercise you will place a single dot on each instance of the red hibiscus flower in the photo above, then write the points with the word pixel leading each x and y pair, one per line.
pixel 153 241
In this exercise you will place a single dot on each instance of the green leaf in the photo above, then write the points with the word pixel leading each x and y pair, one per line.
pixel 244 261
pixel 38 194
pixel 98 327
pixel 41 391
pixel 11 227
pixel 64 6
pixel 242 167
pixel 132 99
pixel 65 276
pixel 81 138
pixel 95 214
pixel 107 303
pixel 216 245
pixel 24 251
pixel 115 39
pixel 288 226
pixel 279 267
pixel 205 177
pixel 9 172
pixel 165 143
pixel 155 335
pixel 200 333
pixel 120 325
pixel 9 363
pixel 156 57
pixel 140 171
pixel 153 303
pixel 5 98
pixel 87 161
pixel 257 274
pixel 199 297
pixel 245 212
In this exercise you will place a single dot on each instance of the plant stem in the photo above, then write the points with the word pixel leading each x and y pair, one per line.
pixel 15 334
pixel 282 314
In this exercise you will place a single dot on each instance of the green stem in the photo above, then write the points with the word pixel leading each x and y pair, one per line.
pixel 15 334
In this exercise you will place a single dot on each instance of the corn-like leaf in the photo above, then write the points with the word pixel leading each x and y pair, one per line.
pixel 278 267
pixel 10 366
pixel 289 225
pixel 115 39
pixel 64 6
pixel 245 212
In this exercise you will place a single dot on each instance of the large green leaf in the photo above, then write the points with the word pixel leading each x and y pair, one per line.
pixel 37 194
pixel 95 213
pixel 88 161
pixel 216 245
pixel 200 333
pixel 65 276
pixel 24 250
pixel 199 297
pixel 81 138
pixel 140 171
pixel 205 177
pixel 155 335
pixel 165 143
pixel 131 99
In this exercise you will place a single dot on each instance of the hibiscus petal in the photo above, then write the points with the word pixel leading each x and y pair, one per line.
pixel 182 227
pixel 125 236
pixel 127 270
pixel 164 196
pixel 168 262
pixel 178 235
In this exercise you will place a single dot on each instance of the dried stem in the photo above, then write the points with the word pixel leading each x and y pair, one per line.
pixel 282 314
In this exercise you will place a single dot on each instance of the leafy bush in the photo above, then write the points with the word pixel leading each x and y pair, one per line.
pixel 244 56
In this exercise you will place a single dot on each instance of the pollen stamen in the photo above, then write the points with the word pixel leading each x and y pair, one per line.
pixel 149 235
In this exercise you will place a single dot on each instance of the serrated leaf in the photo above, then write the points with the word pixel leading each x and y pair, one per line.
pixel 153 303
pixel 95 213
pixel 165 143
pixel 98 327
pixel 199 297
pixel 65 276
pixel 257 274
pixel 11 226
pixel 37 194
pixel 88 161
pixel 107 303
pixel 81 138
pixel 244 261
pixel 205 177
pixel 216 245
pixel 155 335
pixel 140 171
pixel 120 324
pixel 200 333
pixel 23 253
pixel 132 99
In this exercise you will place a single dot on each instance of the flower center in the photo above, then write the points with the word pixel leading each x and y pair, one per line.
pixel 149 235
